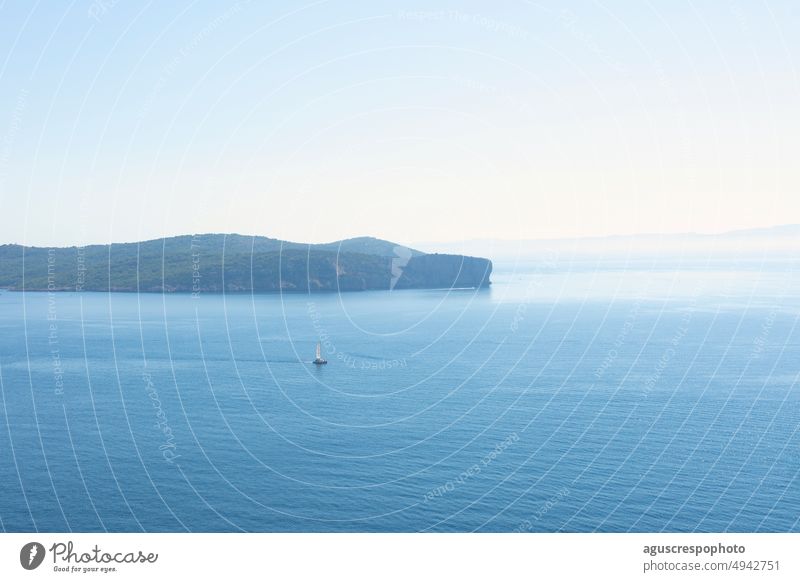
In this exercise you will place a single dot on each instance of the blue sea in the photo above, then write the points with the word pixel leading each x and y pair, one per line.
pixel 580 397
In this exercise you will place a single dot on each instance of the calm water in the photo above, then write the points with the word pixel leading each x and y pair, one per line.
pixel 575 399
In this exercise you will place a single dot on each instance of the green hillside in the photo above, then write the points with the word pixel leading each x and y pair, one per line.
pixel 234 263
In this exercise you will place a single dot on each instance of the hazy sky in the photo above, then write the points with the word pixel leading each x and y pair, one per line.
pixel 428 120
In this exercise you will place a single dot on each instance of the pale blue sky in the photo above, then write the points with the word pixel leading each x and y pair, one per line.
pixel 124 120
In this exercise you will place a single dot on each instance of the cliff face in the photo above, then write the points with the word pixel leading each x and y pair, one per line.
pixel 210 263
pixel 444 271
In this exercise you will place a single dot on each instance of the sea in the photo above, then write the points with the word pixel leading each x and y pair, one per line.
pixel 587 396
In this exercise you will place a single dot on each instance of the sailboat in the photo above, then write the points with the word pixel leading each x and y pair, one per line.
pixel 319 360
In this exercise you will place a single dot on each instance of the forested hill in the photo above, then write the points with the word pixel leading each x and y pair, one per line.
pixel 218 263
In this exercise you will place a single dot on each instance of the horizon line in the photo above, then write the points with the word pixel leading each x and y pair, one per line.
pixel 750 230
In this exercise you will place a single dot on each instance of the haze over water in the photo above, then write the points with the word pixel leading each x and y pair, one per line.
pixel 588 396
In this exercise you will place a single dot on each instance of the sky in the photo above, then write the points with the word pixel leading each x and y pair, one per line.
pixel 411 121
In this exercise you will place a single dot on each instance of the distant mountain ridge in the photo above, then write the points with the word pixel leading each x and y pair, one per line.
pixel 774 241
pixel 237 263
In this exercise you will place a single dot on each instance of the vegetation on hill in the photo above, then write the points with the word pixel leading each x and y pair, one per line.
pixel 235 263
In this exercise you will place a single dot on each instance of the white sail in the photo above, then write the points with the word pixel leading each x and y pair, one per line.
pixel 319 351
